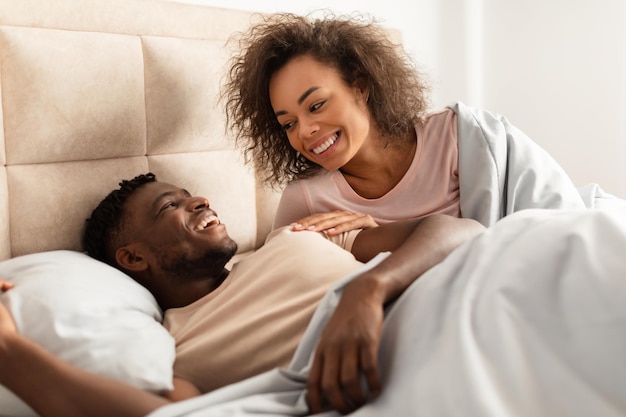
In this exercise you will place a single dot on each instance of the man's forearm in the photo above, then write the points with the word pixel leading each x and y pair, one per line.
pixel 347 350
pixel 53 388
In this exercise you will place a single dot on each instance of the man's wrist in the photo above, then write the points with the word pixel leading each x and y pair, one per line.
pixel 372 287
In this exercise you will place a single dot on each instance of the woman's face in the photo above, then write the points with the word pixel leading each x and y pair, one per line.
pixel 326 120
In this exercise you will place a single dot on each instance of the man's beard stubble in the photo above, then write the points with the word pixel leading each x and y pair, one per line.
pixel 186 266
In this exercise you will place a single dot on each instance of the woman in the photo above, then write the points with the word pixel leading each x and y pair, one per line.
pixel 337 112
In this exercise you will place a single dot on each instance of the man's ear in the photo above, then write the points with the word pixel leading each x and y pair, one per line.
pixel 129 257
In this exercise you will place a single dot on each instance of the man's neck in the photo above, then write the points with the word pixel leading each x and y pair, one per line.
pixel 187 292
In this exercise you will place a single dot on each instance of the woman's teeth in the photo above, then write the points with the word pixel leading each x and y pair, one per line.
pixel 325 145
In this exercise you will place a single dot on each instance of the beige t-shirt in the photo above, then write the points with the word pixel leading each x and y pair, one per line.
pixel 255 319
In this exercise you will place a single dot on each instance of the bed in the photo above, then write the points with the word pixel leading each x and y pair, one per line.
pixel 527 319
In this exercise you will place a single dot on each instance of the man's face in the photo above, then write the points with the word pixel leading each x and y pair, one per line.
pixel 181 234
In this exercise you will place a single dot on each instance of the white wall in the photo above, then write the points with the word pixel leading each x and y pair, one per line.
pixel 556 68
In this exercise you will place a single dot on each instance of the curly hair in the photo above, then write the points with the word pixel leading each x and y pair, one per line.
pixel 358 48
pixel 105 226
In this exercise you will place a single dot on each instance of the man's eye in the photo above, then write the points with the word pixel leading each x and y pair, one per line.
pixel 168 205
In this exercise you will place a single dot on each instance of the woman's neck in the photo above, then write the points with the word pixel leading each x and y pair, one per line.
pixel 376 169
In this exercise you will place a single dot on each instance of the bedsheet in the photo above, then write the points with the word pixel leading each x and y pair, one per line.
pixel 502 170
pixel 527 319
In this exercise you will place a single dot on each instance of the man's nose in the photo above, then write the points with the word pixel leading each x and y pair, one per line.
pixel 197 203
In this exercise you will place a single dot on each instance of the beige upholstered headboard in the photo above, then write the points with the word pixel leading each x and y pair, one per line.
pixel 96 91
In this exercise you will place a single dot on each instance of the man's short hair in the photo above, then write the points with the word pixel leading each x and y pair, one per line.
pixel 104 228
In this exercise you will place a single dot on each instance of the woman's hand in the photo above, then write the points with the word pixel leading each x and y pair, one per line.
pixel 348 352
pixel 335 222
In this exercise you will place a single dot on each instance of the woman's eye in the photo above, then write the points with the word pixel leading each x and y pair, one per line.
pixel 316 106
pixel 288 126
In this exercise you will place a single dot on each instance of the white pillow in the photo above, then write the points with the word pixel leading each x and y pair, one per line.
pixel 89 314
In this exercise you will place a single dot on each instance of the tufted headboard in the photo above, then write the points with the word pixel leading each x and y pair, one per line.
pixel 94 92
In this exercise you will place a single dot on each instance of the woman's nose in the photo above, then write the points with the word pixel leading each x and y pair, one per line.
pixel 308 128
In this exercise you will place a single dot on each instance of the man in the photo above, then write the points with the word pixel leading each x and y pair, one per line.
pixel 175 245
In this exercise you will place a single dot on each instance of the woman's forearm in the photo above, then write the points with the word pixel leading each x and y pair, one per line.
pixel 416 247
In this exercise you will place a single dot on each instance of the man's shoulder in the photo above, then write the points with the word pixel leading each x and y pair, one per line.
pixel 285 236
pixel 287 250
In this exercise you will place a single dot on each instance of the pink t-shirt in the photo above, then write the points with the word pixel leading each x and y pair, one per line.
pixel 431 184
pixel 254 320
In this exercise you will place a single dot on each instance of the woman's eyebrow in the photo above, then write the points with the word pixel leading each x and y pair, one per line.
pixel 300 100
pixel 306 94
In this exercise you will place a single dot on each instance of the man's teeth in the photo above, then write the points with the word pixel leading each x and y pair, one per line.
pixel 325 145
pixel 209 221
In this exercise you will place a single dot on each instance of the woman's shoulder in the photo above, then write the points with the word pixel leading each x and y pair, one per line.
pixel 439 116
pixel 440 127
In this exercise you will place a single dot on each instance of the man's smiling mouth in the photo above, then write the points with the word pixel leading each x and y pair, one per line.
pixel 208 221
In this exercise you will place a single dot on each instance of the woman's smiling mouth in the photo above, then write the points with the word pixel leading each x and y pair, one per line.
pixel 327 144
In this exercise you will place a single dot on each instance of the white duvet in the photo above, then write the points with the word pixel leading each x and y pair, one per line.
pixel 528 319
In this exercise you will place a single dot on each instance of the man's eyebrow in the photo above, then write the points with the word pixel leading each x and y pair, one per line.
pixel 300 100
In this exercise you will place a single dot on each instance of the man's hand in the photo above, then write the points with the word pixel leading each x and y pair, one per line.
pixel 5 285
pixel 348 351
pixel 348 347
pixel 335 222
pixel 7 325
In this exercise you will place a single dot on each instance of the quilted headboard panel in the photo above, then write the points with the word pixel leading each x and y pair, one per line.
pixel 98 91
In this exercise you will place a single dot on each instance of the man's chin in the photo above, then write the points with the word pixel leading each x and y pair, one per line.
pixel 211 262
